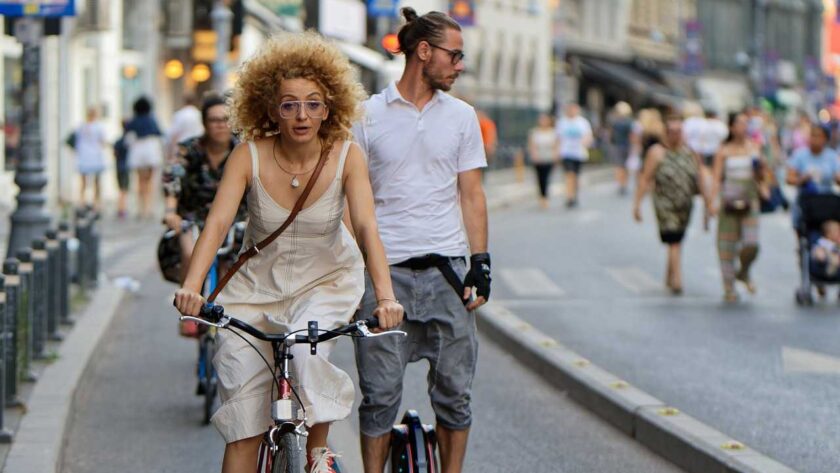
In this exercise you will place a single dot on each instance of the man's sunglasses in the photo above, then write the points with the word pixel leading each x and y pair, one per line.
pixel 456 55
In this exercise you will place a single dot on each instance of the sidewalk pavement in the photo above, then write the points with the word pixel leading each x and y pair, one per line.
pixel 127 253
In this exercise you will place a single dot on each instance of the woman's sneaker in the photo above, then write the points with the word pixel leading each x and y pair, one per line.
pixel 322 460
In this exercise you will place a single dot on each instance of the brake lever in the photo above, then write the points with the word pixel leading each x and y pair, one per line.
pixel 365 331
pixel 223 322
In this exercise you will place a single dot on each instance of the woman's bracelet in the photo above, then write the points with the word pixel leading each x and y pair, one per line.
pixel 379 301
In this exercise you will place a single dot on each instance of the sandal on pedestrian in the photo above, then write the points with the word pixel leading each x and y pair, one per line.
pixel 748 284
pixel 730 297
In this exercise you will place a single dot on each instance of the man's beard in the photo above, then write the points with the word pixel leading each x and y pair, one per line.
pixel 435 82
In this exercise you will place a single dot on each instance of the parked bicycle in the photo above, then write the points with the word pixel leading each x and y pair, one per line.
pixel 280 451
pixel 207 377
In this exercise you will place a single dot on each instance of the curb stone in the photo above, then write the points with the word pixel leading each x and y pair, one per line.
pixel 675 436
pixel 39 440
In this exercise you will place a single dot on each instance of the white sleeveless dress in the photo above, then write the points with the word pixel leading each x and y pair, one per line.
pixel 313 271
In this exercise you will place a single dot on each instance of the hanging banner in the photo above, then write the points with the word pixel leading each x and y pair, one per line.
pixel 283 7
pixel 463 11
pixel 692 48
pixel 42 8
pixel 382 8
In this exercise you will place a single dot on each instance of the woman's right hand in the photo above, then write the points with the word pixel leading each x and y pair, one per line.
pixel 188 302
pixel 390 314
pixel 173 221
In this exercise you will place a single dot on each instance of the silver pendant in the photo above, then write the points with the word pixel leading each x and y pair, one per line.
pixel 295 182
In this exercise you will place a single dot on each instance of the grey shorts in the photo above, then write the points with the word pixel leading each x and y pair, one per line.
pixel 440 330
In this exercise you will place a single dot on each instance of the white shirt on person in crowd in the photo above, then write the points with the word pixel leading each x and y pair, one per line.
pixel 90 143
pixel 414 157
pixel 544 145
pixel 186 124
pixel 575 135
pixel 704 135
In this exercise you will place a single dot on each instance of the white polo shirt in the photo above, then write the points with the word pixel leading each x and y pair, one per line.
pixel 414 159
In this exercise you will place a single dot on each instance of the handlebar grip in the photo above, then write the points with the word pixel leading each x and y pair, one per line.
pixel 372 322
pixel 212 312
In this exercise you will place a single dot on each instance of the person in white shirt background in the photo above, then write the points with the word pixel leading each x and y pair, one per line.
pixel 574 135
pixel 186 124
pixel 90 144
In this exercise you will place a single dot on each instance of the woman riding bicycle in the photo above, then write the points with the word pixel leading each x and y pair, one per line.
pixel 192 177
pixel 294 103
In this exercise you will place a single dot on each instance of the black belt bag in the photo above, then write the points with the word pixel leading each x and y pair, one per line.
pixel 443 264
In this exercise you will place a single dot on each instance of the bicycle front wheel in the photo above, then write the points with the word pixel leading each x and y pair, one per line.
pixel 210 380
pixel 288 457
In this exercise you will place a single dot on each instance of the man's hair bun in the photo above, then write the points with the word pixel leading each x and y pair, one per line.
pixel 409 14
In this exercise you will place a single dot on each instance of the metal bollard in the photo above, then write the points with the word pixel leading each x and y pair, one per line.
pixel 53 285
pixel 5 435
pixel 26 313
pixel 40 269
pixel 64 236
pixel 83 253
pixel 10 333
pixel 93 241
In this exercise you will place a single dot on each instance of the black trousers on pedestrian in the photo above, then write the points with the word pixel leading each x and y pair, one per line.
pixel 543 174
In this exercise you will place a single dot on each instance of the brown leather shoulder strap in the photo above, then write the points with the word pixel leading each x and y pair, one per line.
pixel 267 241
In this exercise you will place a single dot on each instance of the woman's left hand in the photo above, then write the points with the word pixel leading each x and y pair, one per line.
pixel 390 314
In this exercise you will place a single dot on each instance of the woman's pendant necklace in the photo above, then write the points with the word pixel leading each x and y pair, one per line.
pixel 295 182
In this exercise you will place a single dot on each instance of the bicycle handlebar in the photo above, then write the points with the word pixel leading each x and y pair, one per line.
pixel 214 315
pixel 227 245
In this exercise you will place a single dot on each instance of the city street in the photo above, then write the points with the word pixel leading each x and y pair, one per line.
pixel 764 371
pixel 136 406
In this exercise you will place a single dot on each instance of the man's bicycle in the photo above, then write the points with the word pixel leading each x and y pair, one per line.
pixel 207 378
pixel 280 451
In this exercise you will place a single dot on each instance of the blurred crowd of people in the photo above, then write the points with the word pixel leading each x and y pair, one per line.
pixel 738 164
pixel 140 151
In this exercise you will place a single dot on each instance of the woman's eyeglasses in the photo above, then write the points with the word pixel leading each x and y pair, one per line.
pixel 291 109
pixel 455 54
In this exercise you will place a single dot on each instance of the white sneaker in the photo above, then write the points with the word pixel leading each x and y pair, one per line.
pixel 322 460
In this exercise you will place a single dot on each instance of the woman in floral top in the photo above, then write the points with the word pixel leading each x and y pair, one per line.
pixel 191 178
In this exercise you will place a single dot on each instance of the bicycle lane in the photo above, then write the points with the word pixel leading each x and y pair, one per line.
pixel 136 406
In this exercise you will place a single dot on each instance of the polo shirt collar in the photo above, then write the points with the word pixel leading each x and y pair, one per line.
pixel 392 94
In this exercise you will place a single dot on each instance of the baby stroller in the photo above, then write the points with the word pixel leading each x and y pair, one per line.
pixel 816 209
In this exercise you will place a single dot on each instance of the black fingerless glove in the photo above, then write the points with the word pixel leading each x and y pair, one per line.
pixel 479 275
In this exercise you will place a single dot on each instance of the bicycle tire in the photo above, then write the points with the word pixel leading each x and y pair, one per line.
pixel 210 384
pixel 288 458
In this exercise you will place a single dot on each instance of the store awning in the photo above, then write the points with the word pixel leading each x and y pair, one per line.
pixel 625 76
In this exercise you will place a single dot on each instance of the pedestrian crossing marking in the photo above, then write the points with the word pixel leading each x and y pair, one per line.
pixel 634 279
pixel 795 360
pixel 530 282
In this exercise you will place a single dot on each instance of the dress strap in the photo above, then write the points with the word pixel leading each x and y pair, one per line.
pixel 342 159
pixel 255 161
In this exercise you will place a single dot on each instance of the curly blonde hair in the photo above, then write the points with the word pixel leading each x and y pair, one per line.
pixel 295 56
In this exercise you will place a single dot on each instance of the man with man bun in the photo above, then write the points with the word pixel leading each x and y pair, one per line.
pixel 425 155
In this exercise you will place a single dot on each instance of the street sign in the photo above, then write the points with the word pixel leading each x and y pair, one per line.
pixel 38 8
pixel 283 7
pixel 382 8
pixel 463 11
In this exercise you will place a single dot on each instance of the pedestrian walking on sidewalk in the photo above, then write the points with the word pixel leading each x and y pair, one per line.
pixel 123 173
pixel 90 144
pixel 187 123
pixel 737 175
pixel 294 104
pixel 673 172
pixel 574 135
pixel 543 150
pixel 621 126
pixel 425 156
pixel 145 152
